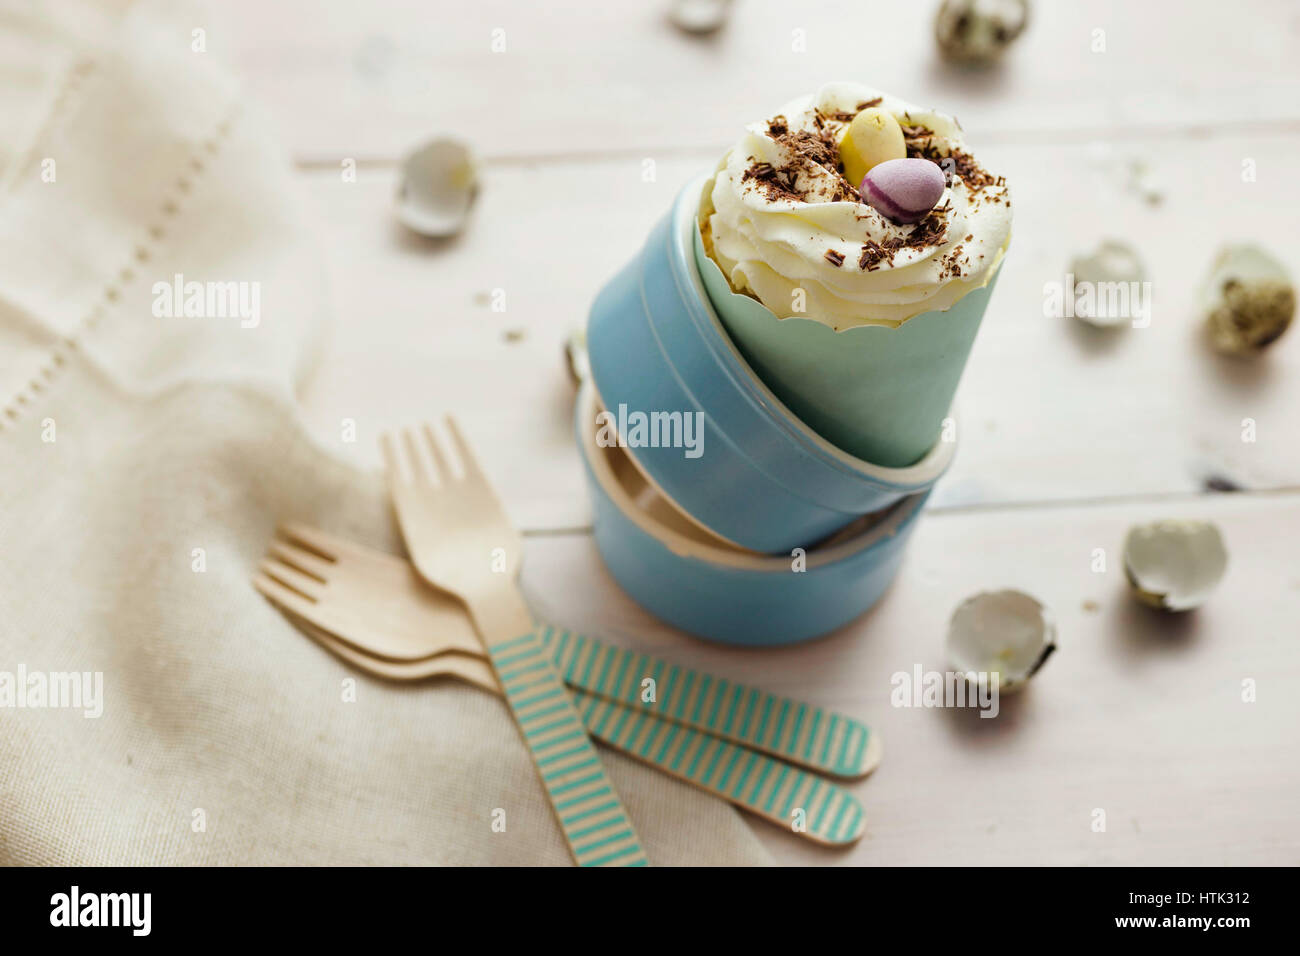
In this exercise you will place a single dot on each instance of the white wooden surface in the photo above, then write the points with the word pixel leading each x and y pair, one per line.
pixel 1068 435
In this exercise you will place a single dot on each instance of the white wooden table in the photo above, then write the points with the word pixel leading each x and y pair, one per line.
pixel 1068 435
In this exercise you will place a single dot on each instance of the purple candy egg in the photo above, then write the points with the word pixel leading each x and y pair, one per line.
pixel 903 190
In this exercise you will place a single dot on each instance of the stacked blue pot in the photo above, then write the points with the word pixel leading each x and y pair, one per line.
pixel 717 508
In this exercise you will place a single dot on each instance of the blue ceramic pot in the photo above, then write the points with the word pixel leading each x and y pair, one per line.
pixel 705 586
pixel 759 477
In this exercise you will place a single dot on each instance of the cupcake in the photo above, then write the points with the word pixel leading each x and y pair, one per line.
pixel 849 244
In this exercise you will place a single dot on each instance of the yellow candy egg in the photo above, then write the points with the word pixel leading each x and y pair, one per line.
pixel 873 137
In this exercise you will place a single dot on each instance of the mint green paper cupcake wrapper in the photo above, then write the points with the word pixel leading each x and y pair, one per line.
pixel 878 393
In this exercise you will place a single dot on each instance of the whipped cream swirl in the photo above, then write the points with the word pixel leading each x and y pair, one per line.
pixel 787 228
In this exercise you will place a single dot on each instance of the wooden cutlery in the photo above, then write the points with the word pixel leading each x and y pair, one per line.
pixel 327 584
pixel 460 541
pixel 765 787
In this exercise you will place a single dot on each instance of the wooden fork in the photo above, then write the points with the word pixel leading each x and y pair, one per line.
pixel 333 582
pixel 763 784
pixel 371 599
pixel 757 783
pixel 460 541
pixel 471 668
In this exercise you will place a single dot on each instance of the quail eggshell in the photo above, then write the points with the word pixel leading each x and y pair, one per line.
pixel 1174 565
pixel 1248 300
pixel 699 16
pixel 439 185
pixel 1112 261
pixel 978 32
pixel 1006 632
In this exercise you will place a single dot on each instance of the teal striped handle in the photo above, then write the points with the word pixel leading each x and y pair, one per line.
pixel 813 806
pixel 590 813
pixel 800 733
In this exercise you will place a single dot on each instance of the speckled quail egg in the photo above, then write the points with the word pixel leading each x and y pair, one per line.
pixel 1248 300
pixel 979 31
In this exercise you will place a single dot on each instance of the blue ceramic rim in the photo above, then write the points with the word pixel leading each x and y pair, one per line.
pixel 899 515
pixel 757 395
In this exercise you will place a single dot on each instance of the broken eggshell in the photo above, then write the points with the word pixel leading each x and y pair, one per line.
pixel 978 32
pixel 438 186
pixel 1248 300
pixel 1174 565
pixel 1004 632
pixel 1111 262
pixel 699 16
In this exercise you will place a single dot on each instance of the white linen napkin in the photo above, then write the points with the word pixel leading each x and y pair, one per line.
pixel 145 458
